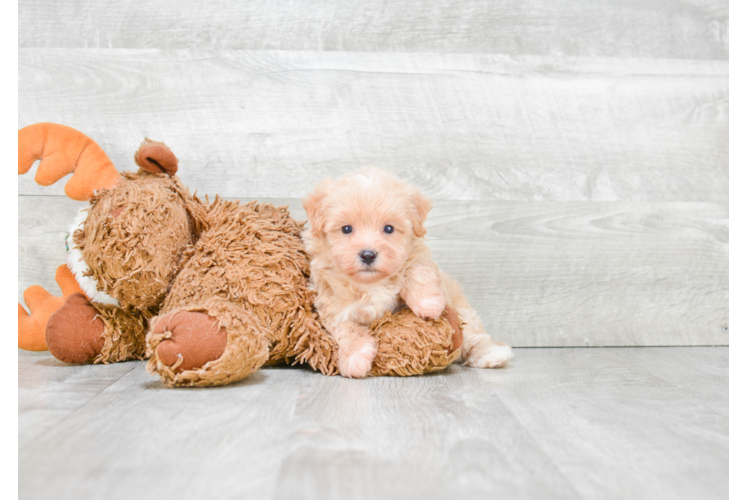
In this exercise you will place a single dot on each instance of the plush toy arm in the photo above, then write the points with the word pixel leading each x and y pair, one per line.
pixel 42 304
pixel 64 150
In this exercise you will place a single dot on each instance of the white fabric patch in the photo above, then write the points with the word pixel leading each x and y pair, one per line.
pixel 78 266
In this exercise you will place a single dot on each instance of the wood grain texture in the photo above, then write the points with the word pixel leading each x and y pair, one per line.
pixel 738 286
pixel 683 29
pixel 43 223
pixel 444 437
pixel 626 423
pixel 569 274
pixel 155 442
pixel 557 423
pixel 48 393
pixel 461 126
pixel 538 273
pixel 736 160
pixel 739 429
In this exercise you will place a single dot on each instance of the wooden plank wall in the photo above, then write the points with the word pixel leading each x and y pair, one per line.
pixel 576 154
pixel 736 50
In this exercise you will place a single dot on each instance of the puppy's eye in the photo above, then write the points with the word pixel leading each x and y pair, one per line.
pixel 347 229
pixel 389 229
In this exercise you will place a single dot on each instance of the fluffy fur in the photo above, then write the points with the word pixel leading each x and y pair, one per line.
pixel 80 269
pixel 373 211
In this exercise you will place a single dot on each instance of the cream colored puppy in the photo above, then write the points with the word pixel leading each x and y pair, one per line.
pixel 369 256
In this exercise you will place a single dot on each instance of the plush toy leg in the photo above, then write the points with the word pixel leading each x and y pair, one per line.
pixel 212 344
pixel 124 333
pixel 42 304
pixel 84 332
pixel 305 341
pixel 409 345
pixel 190 339
pixel 74 332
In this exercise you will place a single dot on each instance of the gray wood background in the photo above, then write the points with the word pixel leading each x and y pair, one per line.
pixel 736 49
pixel 576 153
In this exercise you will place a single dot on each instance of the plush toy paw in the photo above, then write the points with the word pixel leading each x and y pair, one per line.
pixel 428 307
pixel 74 332
pixel 355 362
pixel 194 337
pixel 496 356
pixel 42 304
pixel 215 343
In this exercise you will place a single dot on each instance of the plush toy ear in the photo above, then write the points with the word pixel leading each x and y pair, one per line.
pixel 420 209
pixel 156 157
pixel 315 212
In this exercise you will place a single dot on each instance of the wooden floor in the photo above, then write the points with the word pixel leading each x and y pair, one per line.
pixel 588 423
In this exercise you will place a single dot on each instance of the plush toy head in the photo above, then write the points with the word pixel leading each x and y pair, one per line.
pixel 126 246
pixel 134 236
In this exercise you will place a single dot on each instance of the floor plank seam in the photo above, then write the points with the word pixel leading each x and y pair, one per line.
pixel 531 436
pixel 75 411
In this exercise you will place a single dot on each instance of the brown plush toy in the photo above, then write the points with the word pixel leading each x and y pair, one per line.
pixel 208 292
pixel 124 249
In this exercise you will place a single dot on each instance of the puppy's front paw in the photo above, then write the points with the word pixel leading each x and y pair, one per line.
pixel 428 307
pixel 356 361
pixel 495 356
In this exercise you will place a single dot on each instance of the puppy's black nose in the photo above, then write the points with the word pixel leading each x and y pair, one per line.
pixel 368 256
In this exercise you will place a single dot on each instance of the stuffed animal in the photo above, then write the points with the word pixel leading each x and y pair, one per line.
pixel 208 292
pixel 124 248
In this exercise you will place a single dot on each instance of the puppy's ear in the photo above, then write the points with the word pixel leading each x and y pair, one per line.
pixel 314 209
pixel 421 208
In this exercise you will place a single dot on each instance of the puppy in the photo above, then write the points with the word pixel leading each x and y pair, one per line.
pixel 369 256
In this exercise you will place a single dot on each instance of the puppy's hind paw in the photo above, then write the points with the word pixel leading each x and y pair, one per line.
pixel 356 363
pixel 495 356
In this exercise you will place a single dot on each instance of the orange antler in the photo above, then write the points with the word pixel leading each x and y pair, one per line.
pixel 64 150
pixel 42 304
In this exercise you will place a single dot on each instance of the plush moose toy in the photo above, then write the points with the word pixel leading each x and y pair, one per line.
pixel 209 292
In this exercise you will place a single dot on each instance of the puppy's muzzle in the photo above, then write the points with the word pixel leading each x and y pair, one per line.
pixel 368 257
